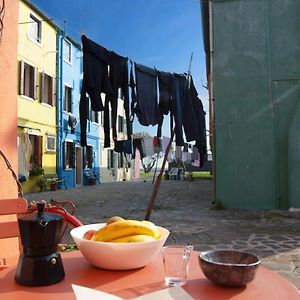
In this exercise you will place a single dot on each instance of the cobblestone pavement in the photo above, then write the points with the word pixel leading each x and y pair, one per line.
pixel 185 209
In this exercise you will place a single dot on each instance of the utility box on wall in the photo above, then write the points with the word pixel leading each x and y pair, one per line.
pixel 253 54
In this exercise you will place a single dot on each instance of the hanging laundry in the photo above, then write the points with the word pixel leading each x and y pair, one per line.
pixel 119 146
pixel 24 153
pixel 118 75
pixel 178 153
pixel 185 147
pixel 201 143
pixel 138 144
pixel 165 83
pixel 148 142
pixel 191 120
pixel 146 107
pixel 156 144
pixel 72 123
pixel 128 147
pixel 196 163
pixel 179 92
pixel 95 80
pixel 195 153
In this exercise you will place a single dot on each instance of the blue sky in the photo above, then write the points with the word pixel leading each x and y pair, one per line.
pixel 160 33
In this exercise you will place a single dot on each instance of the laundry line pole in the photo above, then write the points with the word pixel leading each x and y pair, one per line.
pixel 189 70
pixel 158 179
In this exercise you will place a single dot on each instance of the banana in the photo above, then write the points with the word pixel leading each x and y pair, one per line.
pixel 134 239
pixel 152 225
pixel 119 229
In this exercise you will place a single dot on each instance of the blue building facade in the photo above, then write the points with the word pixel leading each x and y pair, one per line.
pixel 77 165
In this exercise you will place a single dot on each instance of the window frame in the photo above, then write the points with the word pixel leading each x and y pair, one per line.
pixel 71 100
pixel 69 152
pixel 120 124
pixel 50 136
pixel 52 93
pixel 88 157
pixel 34 19
pixel 32 95
pixel 69 61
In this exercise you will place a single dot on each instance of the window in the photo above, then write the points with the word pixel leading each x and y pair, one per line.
pixel 69 152
pixel 95 117
pixel 110 159
pixel 67 51
pixel 35 29
pixel 120 124
pixel 47 89
pixel 27 80
pixel 102 118
pixel 51 143
pixel 68 99
pixel 88 157
pixel 36 150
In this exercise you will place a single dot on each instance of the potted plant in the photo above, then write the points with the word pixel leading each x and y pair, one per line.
pixel 42 184
pixel 36 170
pixel 53 186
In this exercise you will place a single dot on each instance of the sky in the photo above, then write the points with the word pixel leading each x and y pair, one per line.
pixel 156 33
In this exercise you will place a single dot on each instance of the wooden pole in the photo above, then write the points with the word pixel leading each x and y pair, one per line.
pixel 158 179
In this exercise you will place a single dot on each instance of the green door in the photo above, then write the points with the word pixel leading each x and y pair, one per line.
pixel 286 101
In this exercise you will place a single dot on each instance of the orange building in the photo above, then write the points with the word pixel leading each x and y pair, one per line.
pixel 8 115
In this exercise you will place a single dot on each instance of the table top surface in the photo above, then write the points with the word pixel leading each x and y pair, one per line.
pixel 130 284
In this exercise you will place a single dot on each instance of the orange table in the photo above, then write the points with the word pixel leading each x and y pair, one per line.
pixel 267 285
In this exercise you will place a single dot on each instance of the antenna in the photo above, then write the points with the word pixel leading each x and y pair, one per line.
pixel 189 71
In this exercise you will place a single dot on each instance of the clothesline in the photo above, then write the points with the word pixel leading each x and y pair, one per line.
pixel 154 94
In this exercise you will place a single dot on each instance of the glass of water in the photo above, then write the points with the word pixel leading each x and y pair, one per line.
pixel 176 261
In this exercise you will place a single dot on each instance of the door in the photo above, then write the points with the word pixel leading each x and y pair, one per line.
pixel 78 166
pixel 287 123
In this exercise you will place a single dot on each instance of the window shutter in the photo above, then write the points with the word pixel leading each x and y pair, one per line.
pixel 40 150
pixel 65 154
pixel 72 163
pixel 53 91
pixel 42 85
pixel 35 86
pixel 21 83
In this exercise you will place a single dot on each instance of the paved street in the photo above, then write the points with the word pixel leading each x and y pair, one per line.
pixel 185 209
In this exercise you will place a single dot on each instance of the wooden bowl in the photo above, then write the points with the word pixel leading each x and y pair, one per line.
pixel 229 267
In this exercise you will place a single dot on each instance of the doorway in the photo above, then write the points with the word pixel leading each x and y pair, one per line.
pixel 78 162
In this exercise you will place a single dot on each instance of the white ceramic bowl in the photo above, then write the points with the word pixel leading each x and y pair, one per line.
pixel 117 256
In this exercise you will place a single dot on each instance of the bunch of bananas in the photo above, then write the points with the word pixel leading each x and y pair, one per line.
pixel 119 230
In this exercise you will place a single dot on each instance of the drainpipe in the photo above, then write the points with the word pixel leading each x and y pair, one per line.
pixel 59 104
pixel 207 30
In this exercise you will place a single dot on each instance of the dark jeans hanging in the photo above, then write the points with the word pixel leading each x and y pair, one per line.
pixel 165 84
pixel 118 79
pixel 179 88
pixel 95 81
pixel 146 109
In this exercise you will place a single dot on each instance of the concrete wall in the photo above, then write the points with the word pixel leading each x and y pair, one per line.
pixel 8 114
pixel 256 79
pixel 31 112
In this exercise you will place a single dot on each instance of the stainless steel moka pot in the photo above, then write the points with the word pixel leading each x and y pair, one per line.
pixel 40 264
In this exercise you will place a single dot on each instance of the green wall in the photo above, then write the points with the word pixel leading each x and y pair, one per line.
pixel 256 75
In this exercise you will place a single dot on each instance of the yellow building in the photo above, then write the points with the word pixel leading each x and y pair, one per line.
pixel 37 51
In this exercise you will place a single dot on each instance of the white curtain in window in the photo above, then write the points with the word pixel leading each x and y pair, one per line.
pixel 24 153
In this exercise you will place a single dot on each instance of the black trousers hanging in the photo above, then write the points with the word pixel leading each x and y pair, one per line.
pixel 118 79
pixel 95 81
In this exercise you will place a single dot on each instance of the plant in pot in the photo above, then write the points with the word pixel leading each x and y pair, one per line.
pixel 42 184
pixel 36 170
